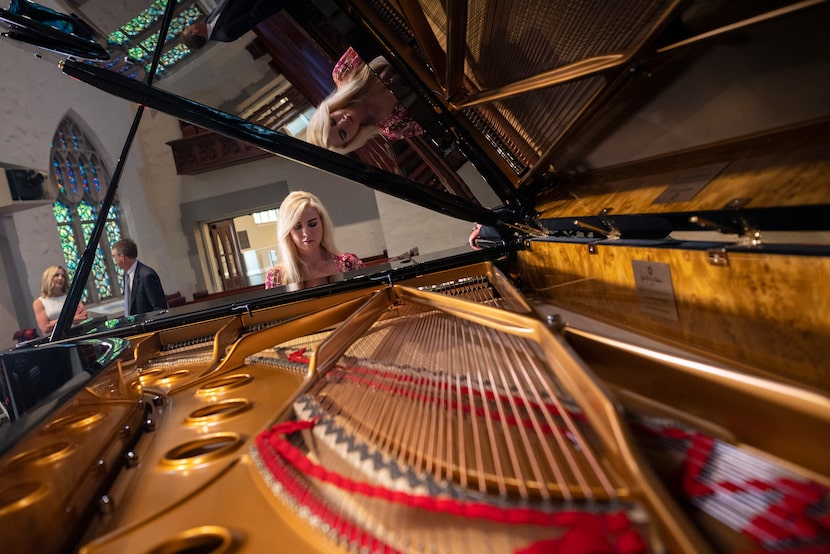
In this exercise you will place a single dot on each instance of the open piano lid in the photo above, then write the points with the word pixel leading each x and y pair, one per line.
pixel 527 93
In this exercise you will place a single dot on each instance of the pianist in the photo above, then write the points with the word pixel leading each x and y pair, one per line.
pixel 305 237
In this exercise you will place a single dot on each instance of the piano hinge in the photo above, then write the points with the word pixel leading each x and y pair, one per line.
pixel 533 230
pixel 555 322
pixel 717 256
pixel 747 234
pixel 610 231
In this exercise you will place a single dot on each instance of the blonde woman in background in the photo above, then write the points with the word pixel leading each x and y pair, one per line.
pixel 305 239
pixel 48 306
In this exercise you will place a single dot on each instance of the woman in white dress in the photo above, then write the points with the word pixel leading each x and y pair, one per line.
pixel 47 307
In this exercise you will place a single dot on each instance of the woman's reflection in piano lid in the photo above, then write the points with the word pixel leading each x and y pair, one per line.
pixel 362 107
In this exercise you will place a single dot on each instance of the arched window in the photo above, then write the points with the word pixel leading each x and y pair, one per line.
pixel 81 181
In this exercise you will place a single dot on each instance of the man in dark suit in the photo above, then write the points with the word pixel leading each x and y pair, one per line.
pixel 142 287
pixel 229 20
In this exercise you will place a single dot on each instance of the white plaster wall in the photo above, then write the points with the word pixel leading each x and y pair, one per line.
pixel 39 244
pixel 366 239
pixel 151 208
pixel 406 226
pixel 36 96
pixel 8 316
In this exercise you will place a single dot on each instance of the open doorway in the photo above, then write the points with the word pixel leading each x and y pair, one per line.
pixel 243 249
pixel 238 206
pixel 257 234
pixel 228 255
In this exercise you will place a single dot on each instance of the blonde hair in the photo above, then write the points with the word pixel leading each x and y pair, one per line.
pixel 354 91
pixel 294 269
pixel 46 280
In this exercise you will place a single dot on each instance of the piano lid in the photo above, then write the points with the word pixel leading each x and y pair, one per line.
pixel 51 32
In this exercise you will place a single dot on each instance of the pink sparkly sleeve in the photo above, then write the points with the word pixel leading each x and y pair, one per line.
pixel 348 262
pixel 273 277
pixel 345 66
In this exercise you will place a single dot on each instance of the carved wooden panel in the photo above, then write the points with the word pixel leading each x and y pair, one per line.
pixel 208 151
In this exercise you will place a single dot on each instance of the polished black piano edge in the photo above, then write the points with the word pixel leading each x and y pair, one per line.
pixel 34 33
pixel 35 380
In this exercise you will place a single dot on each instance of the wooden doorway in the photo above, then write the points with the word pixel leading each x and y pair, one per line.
pixel 228 255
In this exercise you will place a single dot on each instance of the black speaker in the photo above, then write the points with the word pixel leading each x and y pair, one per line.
pixel 25 184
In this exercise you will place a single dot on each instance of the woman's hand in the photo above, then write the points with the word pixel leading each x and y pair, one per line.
pixel 474 236
pixel 80 313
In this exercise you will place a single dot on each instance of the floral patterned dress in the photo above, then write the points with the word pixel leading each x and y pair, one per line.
pixel 343 262
pixel 397 125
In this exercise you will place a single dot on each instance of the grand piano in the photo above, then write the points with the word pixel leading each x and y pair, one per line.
pixel 636 360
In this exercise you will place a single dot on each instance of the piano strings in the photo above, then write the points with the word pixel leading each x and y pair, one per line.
pixel 431 414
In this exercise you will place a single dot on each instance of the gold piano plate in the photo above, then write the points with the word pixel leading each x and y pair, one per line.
pixel 224 384
pixel 204 450
pixel 83 420
pixel 21 496
pixel 218 411
pixel 44 455
pixel 208 538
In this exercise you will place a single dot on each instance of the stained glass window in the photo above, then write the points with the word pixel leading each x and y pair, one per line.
pixel 80 178
pixel 139 36
pixel 141 22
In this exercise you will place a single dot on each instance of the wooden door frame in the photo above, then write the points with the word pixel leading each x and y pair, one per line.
pixel 237 276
